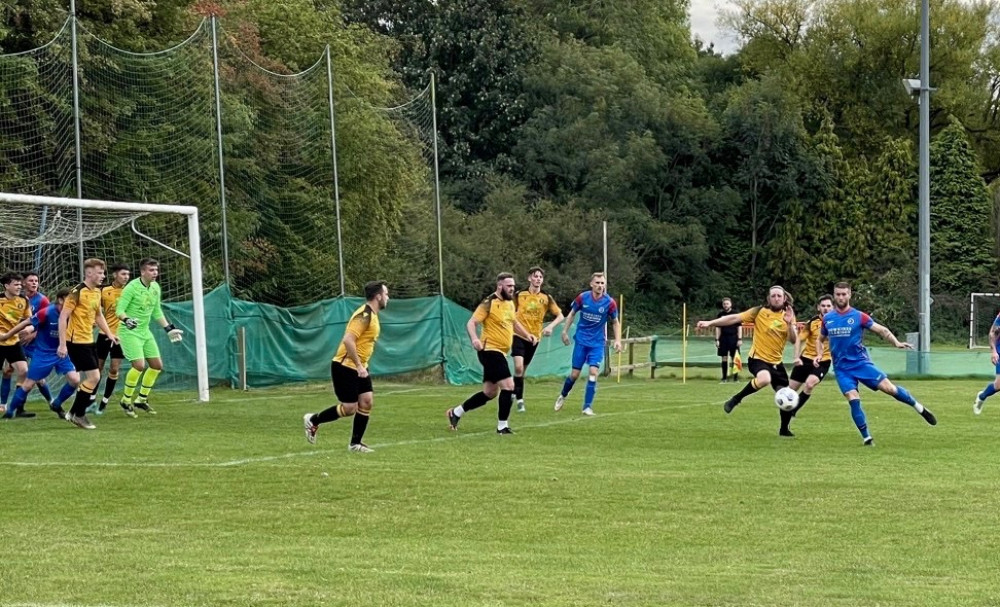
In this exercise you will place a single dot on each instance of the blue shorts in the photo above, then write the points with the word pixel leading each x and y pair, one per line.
pixel 864 373
pixel 998 368
pixel 43 364
pixel 592 356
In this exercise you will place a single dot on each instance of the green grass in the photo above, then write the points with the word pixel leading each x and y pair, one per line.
pixel 660 499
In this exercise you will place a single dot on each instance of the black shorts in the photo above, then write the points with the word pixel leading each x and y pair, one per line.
pixel 727 346
pixel 779 377
pixel 83 356
pixel 802 372
pixel 346 383
pixel 105 347
pixel 495 367
pixel 11 354
pixel 525 348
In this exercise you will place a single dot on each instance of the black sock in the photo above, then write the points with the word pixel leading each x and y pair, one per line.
pixel 802 402
pixel 81 402
pixel 475 401
pixel 746 391
pixel 109 387
pixel 786 416
pixel 725 369
pixel 506 400
pixel 360 425
pixel 519 388
pixel 329 414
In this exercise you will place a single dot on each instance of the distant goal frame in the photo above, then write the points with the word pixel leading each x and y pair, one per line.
pixel 972 319
pixel 194 247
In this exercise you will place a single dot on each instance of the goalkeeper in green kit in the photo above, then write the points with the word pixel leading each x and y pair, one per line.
pixel 139 303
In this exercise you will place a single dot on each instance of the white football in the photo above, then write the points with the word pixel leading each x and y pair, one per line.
pixel 786 399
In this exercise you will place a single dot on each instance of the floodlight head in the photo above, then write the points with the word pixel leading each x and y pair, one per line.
pixel 912 86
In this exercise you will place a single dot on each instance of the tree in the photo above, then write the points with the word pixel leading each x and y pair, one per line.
pixel 961 207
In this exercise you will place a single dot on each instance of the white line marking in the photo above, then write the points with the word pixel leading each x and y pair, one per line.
pixel 419 441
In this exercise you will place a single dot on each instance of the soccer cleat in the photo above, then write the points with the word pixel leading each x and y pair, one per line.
pixel 729 405
pixel 452 419
pixel 869 442
pixel 24 414
pixel 977 407
pixel 58 410
pixel 505 431
pixel 141 404
pixel 82 422
pixel 587 411
pixel 560 402
pixel 360 448
pixel 724 381
pixel 786 432
pixel 310 428
pixel 928 416
pixel 102 406
pixel 520 406
pixel 128 408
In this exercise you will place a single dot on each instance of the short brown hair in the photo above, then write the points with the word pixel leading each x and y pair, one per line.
pixel 842 285
pixel 94 262
pixel 504 276
pixel 597 275
pixel 534 269
pixel 824 297
pixel 148 261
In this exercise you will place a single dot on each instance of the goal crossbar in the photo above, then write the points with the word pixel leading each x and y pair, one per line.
pixel 194 240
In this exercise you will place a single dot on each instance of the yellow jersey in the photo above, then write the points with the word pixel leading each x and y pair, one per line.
pixel 84 303
pixel 808 334
pixel 770 332
pixel 109 303
pixel 365 328
pixel 13 310
pixel 531 310
pixel 497 317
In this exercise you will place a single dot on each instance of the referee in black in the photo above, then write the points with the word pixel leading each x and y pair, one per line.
pixel 728 340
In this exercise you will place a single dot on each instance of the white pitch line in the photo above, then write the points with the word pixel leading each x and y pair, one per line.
pixel 271 458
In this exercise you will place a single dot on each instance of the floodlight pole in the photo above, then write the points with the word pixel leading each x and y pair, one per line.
pixel 924 228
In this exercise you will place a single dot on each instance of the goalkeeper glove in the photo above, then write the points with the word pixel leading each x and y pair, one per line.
pixel 174 333
pixel 130 323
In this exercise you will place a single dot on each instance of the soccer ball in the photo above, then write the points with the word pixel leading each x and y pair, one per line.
pixel 786 399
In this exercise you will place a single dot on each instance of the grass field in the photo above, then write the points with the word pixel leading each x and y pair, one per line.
pixel 660 499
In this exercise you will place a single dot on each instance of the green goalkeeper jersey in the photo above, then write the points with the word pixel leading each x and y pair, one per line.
pixel 140 303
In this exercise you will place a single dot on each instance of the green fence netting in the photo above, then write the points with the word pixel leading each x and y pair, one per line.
pixel 296 344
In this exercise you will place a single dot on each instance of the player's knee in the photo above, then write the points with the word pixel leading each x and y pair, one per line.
pixel 365 406
pixel 348 409
pixel 764 379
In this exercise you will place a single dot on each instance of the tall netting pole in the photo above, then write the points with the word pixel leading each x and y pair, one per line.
pixel 336 178
pixel 222 169
pixel 76 126
pixel 437 186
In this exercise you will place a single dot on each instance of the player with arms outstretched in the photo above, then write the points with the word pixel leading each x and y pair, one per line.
pixel 596 309
pixel 845 326
pixel 532 304
pixel 773 327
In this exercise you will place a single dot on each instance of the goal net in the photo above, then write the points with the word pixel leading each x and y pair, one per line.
pixel 53 236
pixel 983 309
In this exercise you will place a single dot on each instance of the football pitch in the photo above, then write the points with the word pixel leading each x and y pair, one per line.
pixel 659 499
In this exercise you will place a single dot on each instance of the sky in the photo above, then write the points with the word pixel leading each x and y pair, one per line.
pixel 704 14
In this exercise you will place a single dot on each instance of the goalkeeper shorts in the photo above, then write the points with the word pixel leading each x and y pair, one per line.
pixel 136 346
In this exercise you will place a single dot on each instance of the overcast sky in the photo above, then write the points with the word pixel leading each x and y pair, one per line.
pixel 704 14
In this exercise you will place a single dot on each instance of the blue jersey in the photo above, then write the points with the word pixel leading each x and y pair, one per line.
pixel 46 323
pixel 38 301
pixel 846 332
pixel 594 316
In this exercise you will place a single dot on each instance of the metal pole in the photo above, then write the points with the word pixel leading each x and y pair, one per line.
pixel 222 169
pixel 336 178
pixel 437 184
pixel 76 127
pixel 924 258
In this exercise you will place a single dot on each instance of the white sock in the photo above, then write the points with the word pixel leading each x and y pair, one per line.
pixel 501 425
pixel 458 411
pixel 918 407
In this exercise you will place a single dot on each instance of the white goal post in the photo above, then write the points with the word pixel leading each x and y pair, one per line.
pixel 7 237
pixel 983 308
